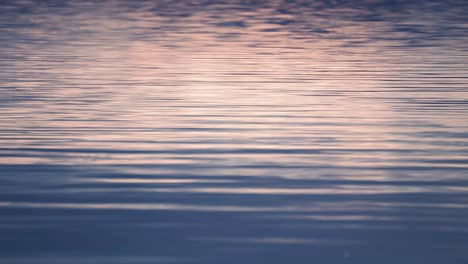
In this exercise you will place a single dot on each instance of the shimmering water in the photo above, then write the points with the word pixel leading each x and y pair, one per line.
pixel 233 131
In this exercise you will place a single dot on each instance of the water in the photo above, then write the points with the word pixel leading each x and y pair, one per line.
pixel 233 132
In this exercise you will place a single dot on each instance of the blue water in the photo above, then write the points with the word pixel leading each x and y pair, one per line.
pixel 233 132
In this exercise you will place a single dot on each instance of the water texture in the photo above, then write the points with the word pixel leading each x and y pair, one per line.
pixel 233 131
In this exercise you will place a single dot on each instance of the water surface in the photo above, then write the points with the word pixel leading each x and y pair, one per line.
pixel 233 131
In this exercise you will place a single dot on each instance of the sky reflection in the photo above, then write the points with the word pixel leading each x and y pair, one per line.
pixel 233 131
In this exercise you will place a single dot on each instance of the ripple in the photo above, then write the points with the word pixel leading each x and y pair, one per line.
pixel 233 131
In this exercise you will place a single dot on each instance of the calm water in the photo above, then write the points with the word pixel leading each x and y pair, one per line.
pixel 233 132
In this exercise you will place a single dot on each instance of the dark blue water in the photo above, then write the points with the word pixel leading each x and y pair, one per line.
pixel 233 132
